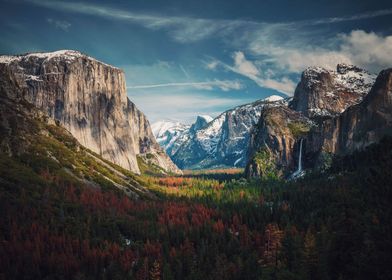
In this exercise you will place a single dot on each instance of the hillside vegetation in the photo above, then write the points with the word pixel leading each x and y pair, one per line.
pixel 69 214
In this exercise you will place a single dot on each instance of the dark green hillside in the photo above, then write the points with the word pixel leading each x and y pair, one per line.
pixel 68 214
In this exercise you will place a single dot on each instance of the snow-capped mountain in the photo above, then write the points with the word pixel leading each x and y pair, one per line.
pixel 332 112
pixel 201 122
pixel 323 92
pixel 221 141
pixel 170 134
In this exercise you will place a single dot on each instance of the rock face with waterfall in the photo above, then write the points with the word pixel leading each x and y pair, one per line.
pixel 89 99
pixel 299 171
pixel 322 127
pixel 274 141
pixel 358 126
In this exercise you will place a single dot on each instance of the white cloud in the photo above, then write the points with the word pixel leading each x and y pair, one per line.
pixel 244 67
pixel 188 29
pixel 284 85
pixel 224 85
pixel 211 65
pixel 368 50
pixel 60 24
pixel 183 106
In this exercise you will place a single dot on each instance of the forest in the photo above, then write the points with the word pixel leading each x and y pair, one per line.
pixel 334 224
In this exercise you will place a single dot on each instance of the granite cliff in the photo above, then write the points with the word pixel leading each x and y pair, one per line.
pixel 332 113
pixel 358 126
pixel 89 99
pixel 322 92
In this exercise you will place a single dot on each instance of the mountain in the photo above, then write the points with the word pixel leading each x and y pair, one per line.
pixel 33 145
pixel 170 135
pixel 218 142
pixel 89 99
pixel 360 125
pixel 201 122
pixel 332 113
pixel 323 92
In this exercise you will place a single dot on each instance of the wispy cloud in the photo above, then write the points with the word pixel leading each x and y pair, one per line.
pixel 60 24
pixel 182 29
pixel 224 85
pixel 182 107
pixel 184 71
pixel 188 29
pixel 366 15
pixel 287 47
pixel 246 68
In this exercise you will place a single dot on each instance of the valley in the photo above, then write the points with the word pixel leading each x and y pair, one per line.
pixel 281 188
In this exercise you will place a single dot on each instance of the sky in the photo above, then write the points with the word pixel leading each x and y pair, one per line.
pixel 184 58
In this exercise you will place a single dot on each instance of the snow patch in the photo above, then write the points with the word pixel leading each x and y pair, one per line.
pixel 273 98
pixel 67 55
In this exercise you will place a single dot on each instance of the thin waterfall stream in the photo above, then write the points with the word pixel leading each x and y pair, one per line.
pixel 298 172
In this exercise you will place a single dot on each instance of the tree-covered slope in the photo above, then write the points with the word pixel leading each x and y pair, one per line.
pixel 68 214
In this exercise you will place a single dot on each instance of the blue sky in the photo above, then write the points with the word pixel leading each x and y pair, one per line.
pixel 186 57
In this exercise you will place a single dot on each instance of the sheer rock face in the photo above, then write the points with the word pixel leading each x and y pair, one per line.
pixel 352 120
pixel 88 98
pixel 360 125
pixel 323 92
pixel 277 132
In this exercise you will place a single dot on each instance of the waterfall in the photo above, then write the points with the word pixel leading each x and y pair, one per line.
pixel 300 156
pixel 299 171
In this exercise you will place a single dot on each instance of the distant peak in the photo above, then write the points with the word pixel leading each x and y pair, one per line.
pixel 207 118
pixel 273 98
pixel 201 121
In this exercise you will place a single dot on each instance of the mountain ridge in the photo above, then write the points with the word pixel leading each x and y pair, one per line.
pixel 221 141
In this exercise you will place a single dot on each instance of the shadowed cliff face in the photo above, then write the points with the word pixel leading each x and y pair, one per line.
pixel 274 141
pixel 360 125
pixel 337 118
pixel 88 98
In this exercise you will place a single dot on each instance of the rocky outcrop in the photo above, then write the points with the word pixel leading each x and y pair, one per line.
pixel 88 98
pixel 201 122
pixel 274 142
pixel 337 115
pixel 323 92
pixel 360 125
